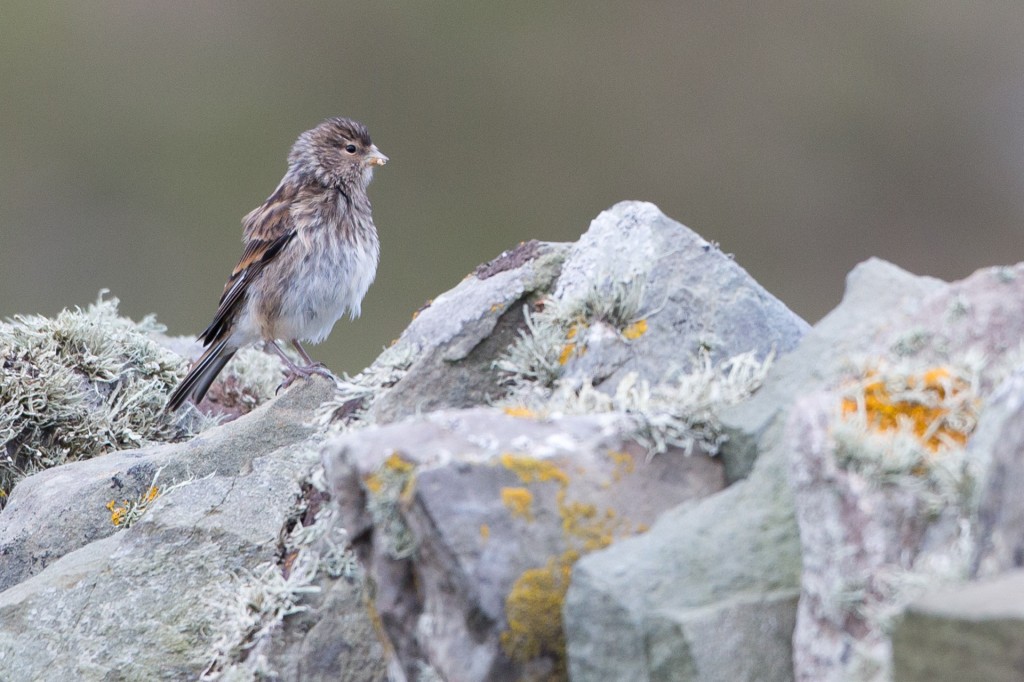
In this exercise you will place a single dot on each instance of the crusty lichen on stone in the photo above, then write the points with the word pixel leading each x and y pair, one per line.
pixel 80 384
pixel 533 607
pixel 908 426
pixel 387 490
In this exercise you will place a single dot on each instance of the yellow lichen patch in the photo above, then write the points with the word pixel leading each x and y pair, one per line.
pixel 485 531
pixel 125 514
pixel 583 527
pixel 568 350
pixel 518 501
pixel 395 463
pixel 393 469
pixel 623 462
pixel 531 469
pixel 117 513
pixel 534 613
pixel 635 330
pixel 936 405
pixel 521 412
pixel 533 607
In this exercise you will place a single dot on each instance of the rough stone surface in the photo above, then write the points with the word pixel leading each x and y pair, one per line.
pixel 446 353
pixel 726 559
pixel 1000 523
pixel 694 297
pixel 62 509
pixel 585 485
pixel 135 604
pixel 708 554
pixel 870 543
pixel 965 632
pixel 778 560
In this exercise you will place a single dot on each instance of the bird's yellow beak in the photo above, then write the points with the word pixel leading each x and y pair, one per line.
pixel 374 157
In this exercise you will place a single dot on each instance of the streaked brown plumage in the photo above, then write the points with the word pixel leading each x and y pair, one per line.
pixel 310 254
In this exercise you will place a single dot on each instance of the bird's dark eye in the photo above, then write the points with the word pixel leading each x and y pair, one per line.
pixel 350 148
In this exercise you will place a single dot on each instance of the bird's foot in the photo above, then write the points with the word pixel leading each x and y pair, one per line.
pixel 297 372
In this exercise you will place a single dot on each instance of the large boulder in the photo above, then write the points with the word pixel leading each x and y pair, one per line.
pixel 440 537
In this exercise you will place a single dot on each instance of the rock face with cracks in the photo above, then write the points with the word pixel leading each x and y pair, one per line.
pixel 614 459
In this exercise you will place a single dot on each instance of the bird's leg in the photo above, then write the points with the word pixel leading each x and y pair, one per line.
pixel 304 355
pixel 295 371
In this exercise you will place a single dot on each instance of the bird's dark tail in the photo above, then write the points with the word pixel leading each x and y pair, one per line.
pixel 197 382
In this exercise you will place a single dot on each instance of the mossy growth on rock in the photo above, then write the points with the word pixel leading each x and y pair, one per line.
pixel 80 384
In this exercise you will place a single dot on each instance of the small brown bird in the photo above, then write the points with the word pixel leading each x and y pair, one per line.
pixel 311 252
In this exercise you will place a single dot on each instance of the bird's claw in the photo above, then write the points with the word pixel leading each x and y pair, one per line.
pixel 304 373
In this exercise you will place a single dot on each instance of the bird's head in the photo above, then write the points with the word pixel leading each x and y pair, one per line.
pixel 338 153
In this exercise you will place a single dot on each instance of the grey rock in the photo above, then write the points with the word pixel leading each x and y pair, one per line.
pixel 692 297
pixel 136 604
pixel 966 632
pixel 61 509
pixel 583 483
pixel 996 446
pixel 446 354
pixel 744 541
pixel 732 559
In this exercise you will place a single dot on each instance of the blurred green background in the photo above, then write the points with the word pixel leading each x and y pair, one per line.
pixel 802 136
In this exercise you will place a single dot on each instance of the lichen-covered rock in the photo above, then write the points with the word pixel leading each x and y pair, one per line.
pixel 710 579
pixel 649 295
pixel 78 385
pixel 471 521
pixel 88 382
pixel 61 509
pixel 876 460
pixel 155 600
pixel 445 357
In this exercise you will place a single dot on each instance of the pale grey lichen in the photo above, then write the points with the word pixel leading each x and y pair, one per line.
pixel 81 384
pixel 252 605
pixel 128 512
pixel 555 334
pixel 355 395
pixel 680 412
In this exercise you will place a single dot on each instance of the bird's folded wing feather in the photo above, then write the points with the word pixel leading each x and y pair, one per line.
pixel 258 253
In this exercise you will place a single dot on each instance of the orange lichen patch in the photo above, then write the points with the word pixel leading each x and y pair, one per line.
pixel 571 348
pixel 518 501
pixel 496 307
pixel 521 412
pixel 635 330
pixel 932 403
pixel 531 469
pixel 485 531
